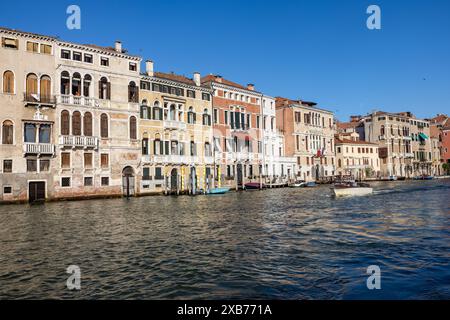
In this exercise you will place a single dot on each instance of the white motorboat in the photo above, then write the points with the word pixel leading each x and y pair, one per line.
pixel 352 189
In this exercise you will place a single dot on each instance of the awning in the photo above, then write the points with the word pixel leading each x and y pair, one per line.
pixel 423 136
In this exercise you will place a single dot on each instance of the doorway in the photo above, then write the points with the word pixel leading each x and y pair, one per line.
pixel 36 192
pixel 128 181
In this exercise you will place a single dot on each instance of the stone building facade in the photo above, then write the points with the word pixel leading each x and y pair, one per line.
pixel 175 128
pixel 309 137
pixel 237 131
pixel 27 115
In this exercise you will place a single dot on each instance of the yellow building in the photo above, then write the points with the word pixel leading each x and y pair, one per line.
pixel 175 128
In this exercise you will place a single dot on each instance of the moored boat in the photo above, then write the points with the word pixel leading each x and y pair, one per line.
pixel 254 185
pixel 310 184
pixel 219 190
pixel 298 184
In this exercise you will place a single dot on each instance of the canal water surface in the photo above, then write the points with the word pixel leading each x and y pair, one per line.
pixel 273 244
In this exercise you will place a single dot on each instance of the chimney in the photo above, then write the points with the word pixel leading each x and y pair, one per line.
pixel 251 87
pixel 118 46
pixel 197 79
pixel 149 68
pixel 218 78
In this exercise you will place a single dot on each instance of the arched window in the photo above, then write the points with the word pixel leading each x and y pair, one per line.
pixel 65 83
pixel 339 163
pixel 157 111
pixel 87 85
pixel 46 88
pixel 65 123
pixel 76 84
pixel 145 110
pixel 104 88
pixel 8 82
pixel 206 118
pixel 104 126
pixel 87 124
pixel 191 115
pixel 133 92
pixel 76 123
pixel 382 130
pixel 172 112
pixel 7 132
pixel 207 149
pixel 133 128
pixel 32 85
pixel 157 145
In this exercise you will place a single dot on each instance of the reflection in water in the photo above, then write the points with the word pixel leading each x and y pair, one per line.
pixel 280 244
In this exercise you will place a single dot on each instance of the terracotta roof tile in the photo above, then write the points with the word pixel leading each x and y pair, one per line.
pixel 175 77
pixel 212 78
pixel 360 142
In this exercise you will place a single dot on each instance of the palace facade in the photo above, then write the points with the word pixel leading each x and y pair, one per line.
pixel 309 137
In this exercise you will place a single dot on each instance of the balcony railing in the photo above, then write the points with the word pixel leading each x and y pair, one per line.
pixel 78 142
pixel 39 99
pixel 77 100
pixel 174 125
pixel 39 148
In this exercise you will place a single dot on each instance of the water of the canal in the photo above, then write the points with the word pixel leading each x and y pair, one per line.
pixel 273 244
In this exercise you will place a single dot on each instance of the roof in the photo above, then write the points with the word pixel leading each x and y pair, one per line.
pixel 358 142
pixel 281 101
pixel 174 77
pixel 347 125
pixel 27 33
pixel 439 119
pixel 213 78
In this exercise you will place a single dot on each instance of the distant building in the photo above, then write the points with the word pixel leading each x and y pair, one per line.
pixel 439 131
pixel 309 137
pixel 355 157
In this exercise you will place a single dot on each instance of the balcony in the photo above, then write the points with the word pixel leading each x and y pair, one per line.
pixel 78 142
pixel 174 125
pixel 39 100
pixel 409 155
pixel 39 148
pixel 77 100
pixel 209 160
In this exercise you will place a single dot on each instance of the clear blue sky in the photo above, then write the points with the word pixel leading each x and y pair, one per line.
pixel 315 50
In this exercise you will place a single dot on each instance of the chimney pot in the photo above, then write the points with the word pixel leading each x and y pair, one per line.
pixel 251 87
pixel 197 79
pixel 219 79
pixel 149 68
pixel 118 46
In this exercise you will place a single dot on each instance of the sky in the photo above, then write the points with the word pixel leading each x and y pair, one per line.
pixel 315 50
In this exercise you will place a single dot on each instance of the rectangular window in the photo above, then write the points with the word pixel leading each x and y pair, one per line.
pixel 158 173
pixel 65 182
pixel 216 116
pixel 7 190
pixel 88 58
pixel 191 94
pixel 205 96
pixel 133 66
pixel 226 116
pixel 105 181
pixel 32 46
pixel 88 181
pixel 88 160
pixel 104 160
pixel 46 49
pixel 7 166
pixel 146 174
pixel 10 43
pixel 104 61
pixel 65 160
pixel 31 165
pixel 76 56
pixel 65 54
pixel 44 165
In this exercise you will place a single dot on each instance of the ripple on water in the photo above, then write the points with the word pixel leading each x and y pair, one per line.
pixel 279 244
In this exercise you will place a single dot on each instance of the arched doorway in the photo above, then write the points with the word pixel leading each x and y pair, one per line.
pixel 128 181
pixel 174 180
